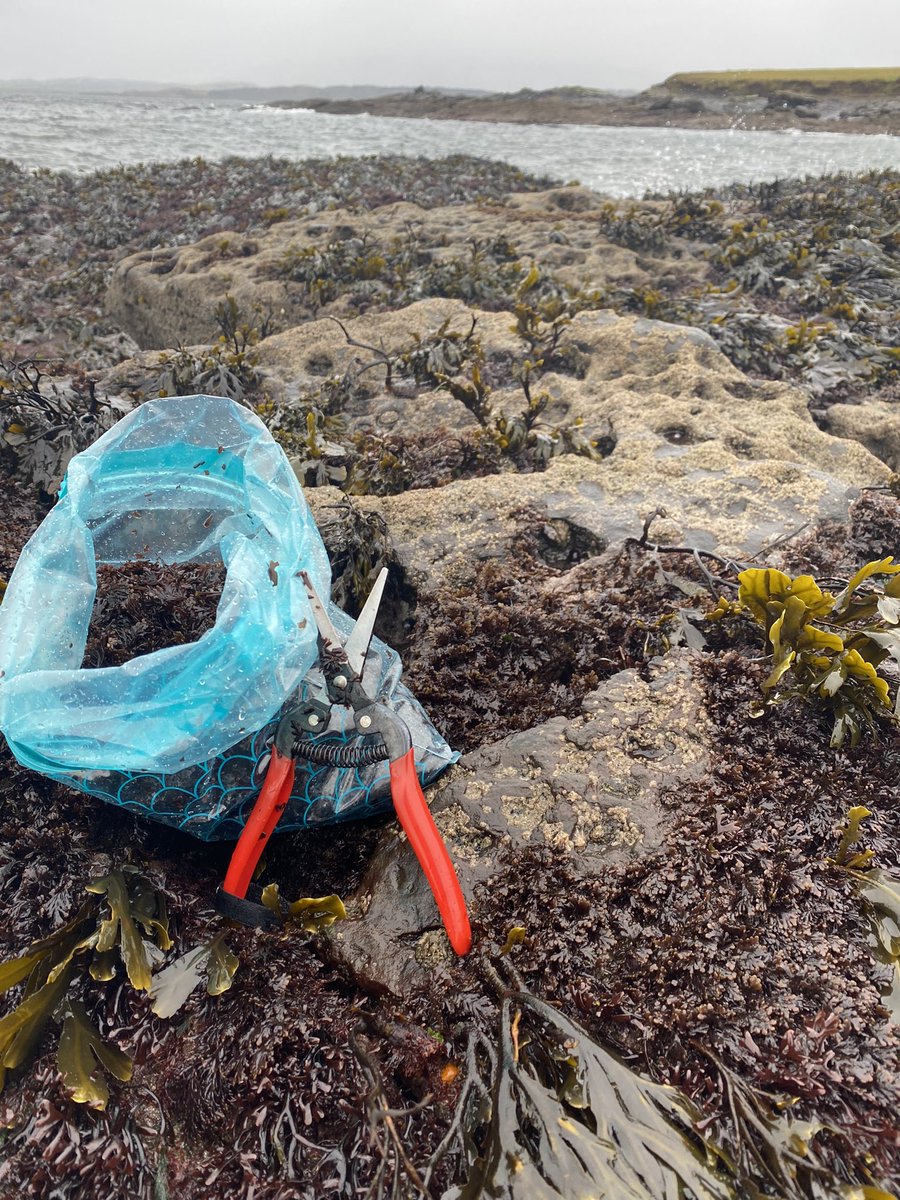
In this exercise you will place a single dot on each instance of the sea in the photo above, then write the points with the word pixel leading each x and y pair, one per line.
pixel 82 133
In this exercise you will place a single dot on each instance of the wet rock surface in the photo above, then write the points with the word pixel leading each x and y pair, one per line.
pixel 585 787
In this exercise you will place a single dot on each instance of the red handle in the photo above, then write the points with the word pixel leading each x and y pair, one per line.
pixel 418 824
pixel 267 810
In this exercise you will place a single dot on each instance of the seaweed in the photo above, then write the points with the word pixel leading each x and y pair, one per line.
pixel 880 892
pixel 526 628
pixel 564 1115
pixel 774 1154
pixel 311 913
pixel 455 362
pixel 141 607
pixel 228 368
pixel 48 965
pixel 117 928
pixel 835 666
pixel 82 1052
pixel 171 986
pixel 568 1118
pixel 47 420
pixel 735 937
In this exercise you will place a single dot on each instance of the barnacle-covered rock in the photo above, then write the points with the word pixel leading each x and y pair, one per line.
pixel 733 462
pixel 585 786
pixel 875 423
pixel 343 262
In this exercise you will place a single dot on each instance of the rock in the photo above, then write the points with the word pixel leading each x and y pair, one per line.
pixel 585 786
pixel 167 297
pixel 440 535
pixel 874 423
pixel 295 361
pixel 734 463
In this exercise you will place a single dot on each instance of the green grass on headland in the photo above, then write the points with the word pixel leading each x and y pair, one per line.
pixel 816 77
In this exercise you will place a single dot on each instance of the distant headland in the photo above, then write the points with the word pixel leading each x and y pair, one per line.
pixel 834 101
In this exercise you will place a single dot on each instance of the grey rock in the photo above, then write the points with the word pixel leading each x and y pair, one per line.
pixel 586 786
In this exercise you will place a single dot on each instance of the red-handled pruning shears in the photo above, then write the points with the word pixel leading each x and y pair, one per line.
pixel 342 665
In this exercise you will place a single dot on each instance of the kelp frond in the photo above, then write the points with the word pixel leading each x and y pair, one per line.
pixel 81 1055
pixel 568 1118
pixel 172 986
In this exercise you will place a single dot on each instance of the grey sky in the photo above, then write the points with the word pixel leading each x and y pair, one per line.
pixel 502 44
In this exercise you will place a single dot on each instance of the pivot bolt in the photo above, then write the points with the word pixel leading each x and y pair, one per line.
pixel 365 722
pixel 312 720
pixel 340 681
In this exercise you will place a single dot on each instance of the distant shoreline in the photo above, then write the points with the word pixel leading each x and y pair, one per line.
pixel 685 102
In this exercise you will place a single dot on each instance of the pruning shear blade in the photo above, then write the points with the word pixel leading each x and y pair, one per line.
pixel 353 652
pixel 357 645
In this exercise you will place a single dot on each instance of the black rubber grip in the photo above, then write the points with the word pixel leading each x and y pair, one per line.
pixel 246 912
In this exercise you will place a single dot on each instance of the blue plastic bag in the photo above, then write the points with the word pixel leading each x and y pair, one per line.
pixel 179 734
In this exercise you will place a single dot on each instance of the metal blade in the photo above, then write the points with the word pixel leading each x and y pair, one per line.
pixel 327 631
pixel 357 645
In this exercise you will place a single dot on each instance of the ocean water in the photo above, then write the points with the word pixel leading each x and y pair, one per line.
pixel 84 133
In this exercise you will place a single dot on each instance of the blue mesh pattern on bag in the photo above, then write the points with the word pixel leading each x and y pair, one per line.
pixel 181 735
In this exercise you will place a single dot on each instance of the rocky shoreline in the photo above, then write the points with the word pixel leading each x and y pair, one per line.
pixel 565 424
pixel 684 102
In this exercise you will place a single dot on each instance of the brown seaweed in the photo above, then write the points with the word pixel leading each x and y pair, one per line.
pixel 82 1053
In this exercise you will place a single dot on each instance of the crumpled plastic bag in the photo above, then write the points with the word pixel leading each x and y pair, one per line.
pixel 183 479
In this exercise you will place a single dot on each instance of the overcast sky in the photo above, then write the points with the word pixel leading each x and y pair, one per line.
pixel 494 44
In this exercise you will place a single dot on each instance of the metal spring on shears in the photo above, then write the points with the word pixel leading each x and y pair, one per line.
pixel 341 754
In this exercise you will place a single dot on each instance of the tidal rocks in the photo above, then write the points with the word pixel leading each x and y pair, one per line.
pixel 732 462
pixel 586 787
pixel 664 422
pixel 338 262
pixel 874 423
pixel 61 234
pixel 794 280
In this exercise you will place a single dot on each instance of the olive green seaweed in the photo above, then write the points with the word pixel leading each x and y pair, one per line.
pixel 81 1055
pixel 118 928
pixel 21 1029
pixel 515 937
pixel 773 1153
pixel 106 925
pixel 566 1117
pixel 311 913
pixel 826 648
pixel 570 1119
pixel 850 836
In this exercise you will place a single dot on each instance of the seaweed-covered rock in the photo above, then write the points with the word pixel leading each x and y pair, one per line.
pixel 342 262
pixel 585 787
pixel 296 361
pixel 732 462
